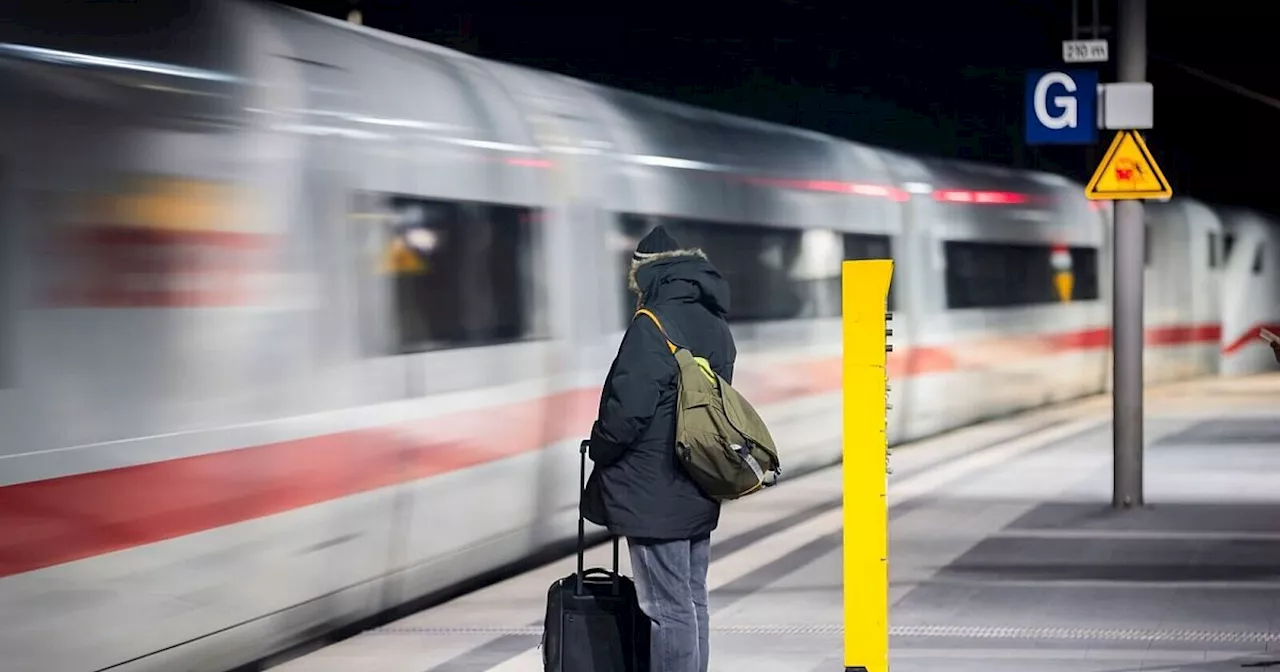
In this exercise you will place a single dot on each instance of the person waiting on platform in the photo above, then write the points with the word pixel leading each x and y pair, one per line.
pixel 638 489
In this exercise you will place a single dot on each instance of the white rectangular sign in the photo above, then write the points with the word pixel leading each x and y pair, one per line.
pixel 1084 51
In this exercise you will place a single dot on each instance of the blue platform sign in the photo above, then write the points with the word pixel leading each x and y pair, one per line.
pixel 1062 107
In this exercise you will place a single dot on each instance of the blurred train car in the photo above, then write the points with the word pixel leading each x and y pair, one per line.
pixel 300 320
pixel 1251 298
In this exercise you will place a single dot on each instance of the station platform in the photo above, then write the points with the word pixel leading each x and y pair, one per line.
pixel 1004 555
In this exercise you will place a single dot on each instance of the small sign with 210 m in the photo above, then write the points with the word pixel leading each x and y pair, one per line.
pixel 1084 51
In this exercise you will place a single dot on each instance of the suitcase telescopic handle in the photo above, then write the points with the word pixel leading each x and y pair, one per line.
pixel 582 523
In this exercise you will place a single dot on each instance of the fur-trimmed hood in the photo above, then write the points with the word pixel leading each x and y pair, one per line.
pixel 639 259
pixel 703 282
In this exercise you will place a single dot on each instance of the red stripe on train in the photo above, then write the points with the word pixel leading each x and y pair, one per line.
pixel 58 520
pixel 1253 335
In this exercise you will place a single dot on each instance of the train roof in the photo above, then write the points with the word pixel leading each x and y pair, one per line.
pixel 791 142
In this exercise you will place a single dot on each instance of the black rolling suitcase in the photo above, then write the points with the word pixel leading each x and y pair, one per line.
pixel 594 622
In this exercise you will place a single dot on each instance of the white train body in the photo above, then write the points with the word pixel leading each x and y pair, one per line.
pixel 300 321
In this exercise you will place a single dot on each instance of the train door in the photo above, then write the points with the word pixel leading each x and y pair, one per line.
pixel 1206 288
pixel 573 181
pixel 919 292
pixel 320 235
pixel 8 314
pixel 576 202
pixel 1180 290
pixel 10 320
pixel 1250 295
pixel 312 353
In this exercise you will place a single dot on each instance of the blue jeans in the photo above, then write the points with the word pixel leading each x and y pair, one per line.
pixel 671 583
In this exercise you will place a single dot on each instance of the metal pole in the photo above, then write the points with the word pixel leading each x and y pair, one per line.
pixel 1127 319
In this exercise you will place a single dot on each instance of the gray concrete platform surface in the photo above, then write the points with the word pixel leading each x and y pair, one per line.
pixel 1004 555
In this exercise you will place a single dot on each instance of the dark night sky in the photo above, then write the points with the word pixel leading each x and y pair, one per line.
pixel 939 77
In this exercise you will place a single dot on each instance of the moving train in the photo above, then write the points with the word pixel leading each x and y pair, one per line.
pixel 300 320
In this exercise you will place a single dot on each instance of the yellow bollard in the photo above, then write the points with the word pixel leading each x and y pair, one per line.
pixel 865 478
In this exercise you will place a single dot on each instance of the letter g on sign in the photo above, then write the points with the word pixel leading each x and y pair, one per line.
pixel 1067 104
pixel 1060 107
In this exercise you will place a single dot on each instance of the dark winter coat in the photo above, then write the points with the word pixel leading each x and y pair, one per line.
pixel 637 488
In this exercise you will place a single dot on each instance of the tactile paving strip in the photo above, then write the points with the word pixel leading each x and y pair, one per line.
pixel 949 631
pixel 1091 634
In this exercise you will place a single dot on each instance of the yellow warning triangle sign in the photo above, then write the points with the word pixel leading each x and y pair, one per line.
pixel 1127 172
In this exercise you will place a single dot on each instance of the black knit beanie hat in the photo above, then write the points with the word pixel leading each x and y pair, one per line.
pixel 657 242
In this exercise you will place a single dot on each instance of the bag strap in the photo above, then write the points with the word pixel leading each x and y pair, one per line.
pixel 649 313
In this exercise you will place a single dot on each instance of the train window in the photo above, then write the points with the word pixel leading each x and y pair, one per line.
pixel 1228 242
pixel 463 273
pixel 995 275
pixel 1213 249
pixel 1084 272
pixel 774 273
pixel 1257 259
